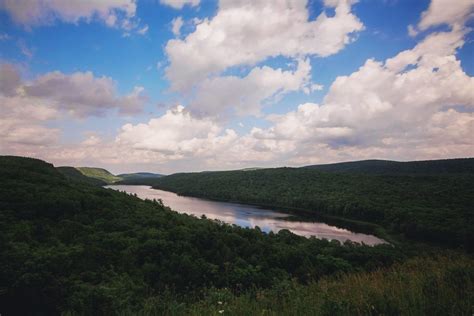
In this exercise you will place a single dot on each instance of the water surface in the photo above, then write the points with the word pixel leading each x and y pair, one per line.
pixel 246 215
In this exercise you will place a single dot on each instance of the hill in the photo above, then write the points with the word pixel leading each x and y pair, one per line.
pixel 139 178
pixel 99 173
pixel 140 175
pixel 74 174
pixel 433 207
pixel 69 247
pixel 428 167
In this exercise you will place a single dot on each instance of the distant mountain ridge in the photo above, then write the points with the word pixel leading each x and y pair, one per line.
pixel 140 175
pixel 101 176
pixel 386 167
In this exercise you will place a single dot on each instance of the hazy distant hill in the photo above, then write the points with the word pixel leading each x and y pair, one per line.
pixel 427 167
pixel 141 175
pixel 100 176
pixel 99 173
pixel 139 178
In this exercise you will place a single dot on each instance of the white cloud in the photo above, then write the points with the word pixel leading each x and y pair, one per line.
pixel 238 35
pixel 176 25
pixel 387 109
pixel 114 13
pixel 316 87
pixel 418 104
pixel 83 94
pixel 382 110
pixel 453 13
pixel 446 12
pixel 176 134
pixel 179 4
pixel 27 107
pixel 222 96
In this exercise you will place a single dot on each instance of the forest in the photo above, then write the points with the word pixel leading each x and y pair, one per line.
pixel 72 247
pixel 423 206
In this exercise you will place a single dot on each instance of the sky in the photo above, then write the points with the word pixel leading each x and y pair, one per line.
pixel 190 85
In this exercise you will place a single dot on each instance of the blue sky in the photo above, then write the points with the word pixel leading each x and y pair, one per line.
pixel 256 117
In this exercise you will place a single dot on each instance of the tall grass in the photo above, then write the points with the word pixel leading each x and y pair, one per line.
pixel 441 285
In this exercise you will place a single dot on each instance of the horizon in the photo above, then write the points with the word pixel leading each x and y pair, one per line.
pixel 189 86
pixel 256 168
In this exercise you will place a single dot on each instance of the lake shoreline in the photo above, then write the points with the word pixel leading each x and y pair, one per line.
pixel 357 226
pixel 292 215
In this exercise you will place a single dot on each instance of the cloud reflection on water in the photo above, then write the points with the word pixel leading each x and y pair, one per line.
pixel 246 215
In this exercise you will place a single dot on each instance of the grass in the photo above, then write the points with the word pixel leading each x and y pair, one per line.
pixel 440 285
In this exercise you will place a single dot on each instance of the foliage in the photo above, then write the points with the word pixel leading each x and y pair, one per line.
pixel 75 175
pixel 139 175
pixel 439 285
pixel 141 178
pixel 387 167
pixel 435 208
pixel 99 173
pixel 67 246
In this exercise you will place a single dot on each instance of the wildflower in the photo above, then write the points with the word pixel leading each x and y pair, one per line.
pixel 220 303
pixel 221 311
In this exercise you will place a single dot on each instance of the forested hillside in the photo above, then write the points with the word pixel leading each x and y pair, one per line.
pixel 75 175
pixel 435 208
pixel 387 167
pixel 70 246
pixel 141 178
pixel 143 175
pixel 100 174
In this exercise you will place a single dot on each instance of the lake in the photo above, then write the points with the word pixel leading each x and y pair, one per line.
pixel 246 215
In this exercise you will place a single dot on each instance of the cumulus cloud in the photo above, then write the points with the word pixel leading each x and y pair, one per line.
pixel 238 35
pixel 179 4
pixel 27 106
pixel 418 104
pixel 176 133
pixel 30 13
pixel 387 106
pixel 223 96
pixel 83 94
pixel 454 14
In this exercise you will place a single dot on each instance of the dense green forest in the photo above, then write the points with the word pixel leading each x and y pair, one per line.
pixel 424 206
pixel 139 175
pixel 388 167
pixel 71 247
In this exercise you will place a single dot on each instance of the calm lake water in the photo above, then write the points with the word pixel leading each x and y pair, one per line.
pixel 246 215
